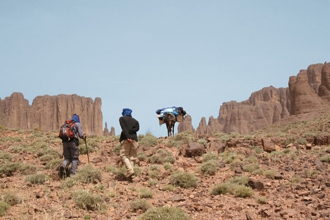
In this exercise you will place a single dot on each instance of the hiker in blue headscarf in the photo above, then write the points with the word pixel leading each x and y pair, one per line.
pixel 128 140
pixel 71 149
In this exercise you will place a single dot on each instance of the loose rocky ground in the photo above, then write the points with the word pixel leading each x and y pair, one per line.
pixel 287 182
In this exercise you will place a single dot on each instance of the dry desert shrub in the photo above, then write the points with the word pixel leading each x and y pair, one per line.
pixel 235 186
pixel 88 174
pixel 147 140
pixel 140 204
pixel 161 156
pixel 270 174
pixel 165 213
pixel 36 178
pixel 210 156
pixel 209 167
pixel 325 158
pixel 183 179
pixel 87 201
pixel 145 193
pixel 3 208
pixel 92 145
pixel 10 168
pixel 185 136
pixel 11 198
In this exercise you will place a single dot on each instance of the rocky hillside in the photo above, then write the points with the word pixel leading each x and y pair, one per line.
pixel 308 92
pixel 47 113
pixel 279 172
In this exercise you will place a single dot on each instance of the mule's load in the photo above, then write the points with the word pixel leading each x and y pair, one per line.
pixel 178 112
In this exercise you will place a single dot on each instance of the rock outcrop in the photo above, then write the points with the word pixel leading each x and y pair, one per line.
pixel 186 125
pixel 308 92
pixel 106 131
pixel 47 113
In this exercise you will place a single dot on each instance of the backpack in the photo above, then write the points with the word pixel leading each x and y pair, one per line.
pixel 67 130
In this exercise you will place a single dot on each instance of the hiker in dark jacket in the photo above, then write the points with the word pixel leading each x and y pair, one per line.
pixel 128 140
pixel 71 149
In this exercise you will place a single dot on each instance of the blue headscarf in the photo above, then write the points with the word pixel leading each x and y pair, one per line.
pixel 127 112
pixel 75 117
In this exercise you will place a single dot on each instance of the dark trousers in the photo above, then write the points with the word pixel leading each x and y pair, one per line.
pixel 71 155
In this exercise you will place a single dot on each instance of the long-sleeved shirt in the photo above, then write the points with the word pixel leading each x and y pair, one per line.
pixel 129 128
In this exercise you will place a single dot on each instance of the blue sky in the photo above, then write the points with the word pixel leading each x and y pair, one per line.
pixel 147 55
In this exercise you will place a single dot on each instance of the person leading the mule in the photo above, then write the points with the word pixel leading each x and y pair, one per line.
pixel 71 148
pixel 128 140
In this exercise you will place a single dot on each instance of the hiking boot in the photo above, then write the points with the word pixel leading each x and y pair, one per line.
pixel 61 173
pixel 130 175
pixel 67 172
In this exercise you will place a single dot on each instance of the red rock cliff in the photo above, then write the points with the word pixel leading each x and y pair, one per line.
pixel 308 92
pixel 48 113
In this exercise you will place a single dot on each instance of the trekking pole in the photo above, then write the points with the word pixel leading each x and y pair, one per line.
pixel 86 149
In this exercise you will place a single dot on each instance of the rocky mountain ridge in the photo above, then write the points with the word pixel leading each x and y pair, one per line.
pixel 308 92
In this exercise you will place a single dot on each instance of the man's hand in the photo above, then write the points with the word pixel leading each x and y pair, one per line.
pixel 85 136
pixel 129 140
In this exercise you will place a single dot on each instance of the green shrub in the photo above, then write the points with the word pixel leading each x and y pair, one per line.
pixel 3 208
pixel 36 178
pixel 152 182
pixel 251 167
pixel 270 174
pixel 257 149
pixel 302 141
pixel 116 148
pixel 88 174
pixel 251 159
pixel 10 168
pixel 240 180
pixel 110 169
pixel 87 201
pixel 68 183
pixel 148 140
pixel 183 179
pixel 310 173
pixel 5 156
pixel 209 167
pixel 261 200
pixel 235 186
pixel 325 158
pixel 221 188
pixel 210 156
pixel 137 171
pixel 230 156
pixel 202 141
pixel 53 163
pixel 120 173
pixel 140 204
pixel 295 179
pixel 240 191
pixel 145 193
pixel 168 188
pixel 154 167
pixel 154 174
pixel 11 199
pixel 185 136
pixel 168 166
pixel 142 156
pixel 48 154
pixel 91 147
pixel 223 137
pixel 174 143
pixel 165 213
pixel 162 156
